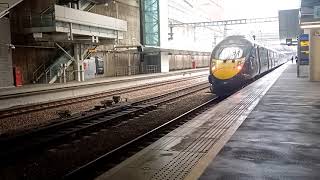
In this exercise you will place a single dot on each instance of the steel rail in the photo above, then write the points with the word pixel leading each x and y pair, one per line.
pixel 73 87
pixel 86 171
pixel 53 104
pixel 74 127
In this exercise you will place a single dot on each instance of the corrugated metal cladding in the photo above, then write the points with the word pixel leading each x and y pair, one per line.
pixel 310 10
pixel 289 24
pixel 6 74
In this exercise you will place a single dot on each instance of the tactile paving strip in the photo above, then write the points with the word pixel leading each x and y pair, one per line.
pixel 186 159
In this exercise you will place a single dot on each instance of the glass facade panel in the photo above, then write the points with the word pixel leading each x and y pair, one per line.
pixel 150 22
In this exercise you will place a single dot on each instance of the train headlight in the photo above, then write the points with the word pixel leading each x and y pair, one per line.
pixel 213 66
pixel 239 67
pixel 240 64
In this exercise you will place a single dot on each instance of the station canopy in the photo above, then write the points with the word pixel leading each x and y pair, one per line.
pixel 310 13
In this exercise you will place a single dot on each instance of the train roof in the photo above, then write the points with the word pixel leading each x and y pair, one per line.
pixel 250 41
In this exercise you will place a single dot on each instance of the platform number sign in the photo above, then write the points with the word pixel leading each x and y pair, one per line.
pixel 316 12
pixel 304 49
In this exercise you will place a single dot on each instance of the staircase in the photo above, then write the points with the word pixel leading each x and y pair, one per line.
pixel 85 24
pixel 50 71
pixel 6 5
pixel 56 69
pixel 86 5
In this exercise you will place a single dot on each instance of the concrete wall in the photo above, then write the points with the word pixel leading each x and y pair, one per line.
pixel 314 55
pixel 128 11
pixel 6 74
pixel 179 62
pixel 28 55
pixel 29 59
pixel 117 64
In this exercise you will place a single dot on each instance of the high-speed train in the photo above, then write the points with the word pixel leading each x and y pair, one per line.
pixel 236 60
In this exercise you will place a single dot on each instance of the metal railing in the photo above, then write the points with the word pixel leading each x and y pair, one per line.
pixel 46 18
pixel 127 71
pixel 86 5
pixel 38 73
pixel 151 69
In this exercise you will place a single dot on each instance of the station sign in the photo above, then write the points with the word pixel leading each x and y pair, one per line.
pixel 304 49
pixel 304 43
pixel 92 50
pixel 304 37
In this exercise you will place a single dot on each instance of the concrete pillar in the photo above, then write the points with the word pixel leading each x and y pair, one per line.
pixel 6 74
pixel 165 62
pixel 78 63
pixel 109 64
pixel 129 64
pixel 315 55
pixel 164 30
pixel 106 65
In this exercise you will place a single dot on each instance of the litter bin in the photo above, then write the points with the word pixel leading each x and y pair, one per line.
pixel 193 65
pixel 17 75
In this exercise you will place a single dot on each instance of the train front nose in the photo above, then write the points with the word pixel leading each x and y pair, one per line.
pixel 226 69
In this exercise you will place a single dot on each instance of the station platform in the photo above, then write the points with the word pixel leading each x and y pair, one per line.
pixel 280 139
pixel 268 130
pixel 38 93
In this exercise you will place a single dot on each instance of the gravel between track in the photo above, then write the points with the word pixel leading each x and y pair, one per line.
pixel 12 125
pixel 56 161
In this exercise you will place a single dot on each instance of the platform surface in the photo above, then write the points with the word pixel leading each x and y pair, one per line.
pixel 40 87
pixel 280 139
pixel 40 93
pixel 187 151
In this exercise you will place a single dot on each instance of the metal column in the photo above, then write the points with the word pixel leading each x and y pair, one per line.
pixel 78 63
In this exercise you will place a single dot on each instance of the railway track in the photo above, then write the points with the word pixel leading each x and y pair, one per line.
pixel 53 104
pixel 111 158
pixel 76 127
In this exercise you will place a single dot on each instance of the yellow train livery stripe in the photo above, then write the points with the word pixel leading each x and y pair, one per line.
pixel 226 69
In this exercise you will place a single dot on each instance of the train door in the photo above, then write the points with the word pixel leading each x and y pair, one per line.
pixel 254 62
pixel 274 59
pixel 268 59
pixel 271 59
pixel 258 58
pixel 264 64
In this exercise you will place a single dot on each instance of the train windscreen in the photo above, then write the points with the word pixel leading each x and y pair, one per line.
pixel 231 49
pixel 226 53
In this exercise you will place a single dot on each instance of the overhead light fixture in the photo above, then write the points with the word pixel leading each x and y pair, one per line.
pixel 310 26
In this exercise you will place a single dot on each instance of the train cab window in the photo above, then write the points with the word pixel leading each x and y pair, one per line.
pixel 229 53
pixel 253 53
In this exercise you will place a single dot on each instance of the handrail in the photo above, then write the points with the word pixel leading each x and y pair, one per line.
pixel 35 74
pixel 89 53
pixel 47 9
pixel 65 51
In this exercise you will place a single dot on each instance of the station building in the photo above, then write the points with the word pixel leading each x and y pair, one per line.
pixel 51 41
